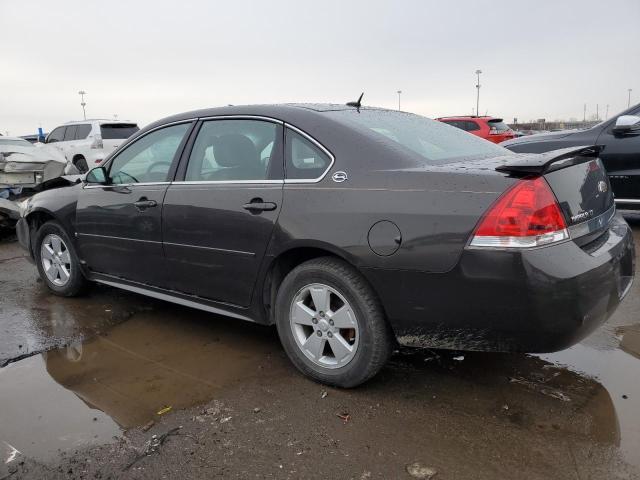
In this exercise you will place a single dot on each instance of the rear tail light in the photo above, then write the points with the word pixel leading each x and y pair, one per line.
pixel 97 142
pixel 527 215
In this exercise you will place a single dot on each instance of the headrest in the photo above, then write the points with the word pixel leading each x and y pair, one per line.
pixel 235 150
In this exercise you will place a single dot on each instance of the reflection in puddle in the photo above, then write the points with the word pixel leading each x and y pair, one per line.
pixel 617 371
pixel 57 400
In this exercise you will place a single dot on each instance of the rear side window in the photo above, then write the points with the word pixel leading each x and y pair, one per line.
pixel 236 150
pixel 114 131
pixel 498 125
pixel 70 133
pixel 82 131
pixel 56 136
pixel 471 126
pixel 455 123
pixel 304 159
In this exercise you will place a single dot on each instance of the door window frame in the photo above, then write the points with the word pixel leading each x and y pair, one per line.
pixel 184 159
pixel 174 162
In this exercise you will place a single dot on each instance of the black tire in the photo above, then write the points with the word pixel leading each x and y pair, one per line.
pixel 375 342
pixel 76 282
pixel 81 164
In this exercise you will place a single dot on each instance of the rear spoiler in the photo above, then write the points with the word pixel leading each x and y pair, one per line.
pixel 541 163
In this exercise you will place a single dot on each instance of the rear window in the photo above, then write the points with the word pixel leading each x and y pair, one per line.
pixel 111 131
pixel 433 140
pixel 498 125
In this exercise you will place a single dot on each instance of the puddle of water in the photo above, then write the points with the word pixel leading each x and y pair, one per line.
pixel 87 392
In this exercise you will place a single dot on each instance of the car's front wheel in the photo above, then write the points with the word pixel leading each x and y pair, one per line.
pixel 331 323
pixel 57 261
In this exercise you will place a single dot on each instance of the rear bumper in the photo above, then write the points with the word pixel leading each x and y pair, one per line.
pixel 537 300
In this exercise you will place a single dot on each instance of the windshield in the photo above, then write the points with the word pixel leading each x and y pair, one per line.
pixel 113 131
pixel 435 141
pixel 15 142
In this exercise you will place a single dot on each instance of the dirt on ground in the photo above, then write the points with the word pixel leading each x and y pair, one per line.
pixel 115 385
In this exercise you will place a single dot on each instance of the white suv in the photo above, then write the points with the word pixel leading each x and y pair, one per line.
pixel 87 143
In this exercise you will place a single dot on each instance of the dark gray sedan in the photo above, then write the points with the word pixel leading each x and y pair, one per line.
pixel 349 228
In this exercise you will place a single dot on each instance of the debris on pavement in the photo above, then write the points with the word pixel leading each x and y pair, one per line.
pixel 152 445
pixel 147 426
pixel 256 410
pixel 324 394
pixel 164 410
pixel 344 416
pixel 459 358
pixel 417 470
pixel 537 387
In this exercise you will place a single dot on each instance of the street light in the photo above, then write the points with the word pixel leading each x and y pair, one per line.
pixel 82 93
pixel 629 100
pixel 478 72
pixel 606 116
pixel 399 93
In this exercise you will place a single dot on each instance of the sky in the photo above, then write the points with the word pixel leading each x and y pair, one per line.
pixel 145 59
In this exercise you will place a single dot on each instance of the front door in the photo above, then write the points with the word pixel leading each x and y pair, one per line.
pixel 119 224
pixel 218 219
pixel 621 159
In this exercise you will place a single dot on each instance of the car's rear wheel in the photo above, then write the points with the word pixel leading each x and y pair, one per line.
pixel 81 164
pixel 57 261
pixel 331 324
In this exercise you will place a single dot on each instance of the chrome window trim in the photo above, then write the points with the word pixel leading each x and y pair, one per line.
pixel 228 182
pixel 242 117
pixel 116 185
pixel 125 145
pixel 320 146
pixel 633 201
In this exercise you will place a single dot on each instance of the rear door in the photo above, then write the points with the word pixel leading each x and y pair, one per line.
pixel 219 217
pixel 621 158
pixel 118 224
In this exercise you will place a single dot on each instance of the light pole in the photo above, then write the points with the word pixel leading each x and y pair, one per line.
pixel 399 93
pixel 82 93
pixel 629 100
pixel 597 112
pixel 606 116
pixel 584 115
pixel 478 72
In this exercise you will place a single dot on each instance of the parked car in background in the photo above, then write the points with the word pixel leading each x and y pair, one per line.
pixel 347 228
pixel 489 128
pixel 87 143
pixel 619 138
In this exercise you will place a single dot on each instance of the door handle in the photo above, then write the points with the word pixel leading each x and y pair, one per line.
pixel 257 205
pixel 144 203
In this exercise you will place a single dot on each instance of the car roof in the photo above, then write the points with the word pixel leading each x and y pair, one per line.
pixel 92 120
pixel 469 117
pixel 13 138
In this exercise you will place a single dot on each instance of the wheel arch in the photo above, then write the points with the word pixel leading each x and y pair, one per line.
pixel 288 259
pixel 35 219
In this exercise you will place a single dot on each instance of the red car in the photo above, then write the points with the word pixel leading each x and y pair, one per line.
pixel 489 128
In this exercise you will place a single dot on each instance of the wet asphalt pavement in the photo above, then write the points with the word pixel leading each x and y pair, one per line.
pixel 86 383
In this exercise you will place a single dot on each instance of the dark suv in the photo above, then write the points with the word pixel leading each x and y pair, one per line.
pixel 619 140
pixel 349 228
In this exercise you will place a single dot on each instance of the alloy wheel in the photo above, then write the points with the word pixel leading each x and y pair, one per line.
pixel 56 260
pixel 324 325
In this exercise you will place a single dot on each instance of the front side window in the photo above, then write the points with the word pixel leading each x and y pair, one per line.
pixel 56 136
pixel 235 150
pixel 305 160
pixel 149 158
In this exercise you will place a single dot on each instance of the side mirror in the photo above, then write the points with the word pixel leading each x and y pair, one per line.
pixel 627 124
pixel 97 175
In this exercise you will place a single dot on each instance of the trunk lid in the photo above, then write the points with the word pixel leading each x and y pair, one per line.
pixel 579 181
